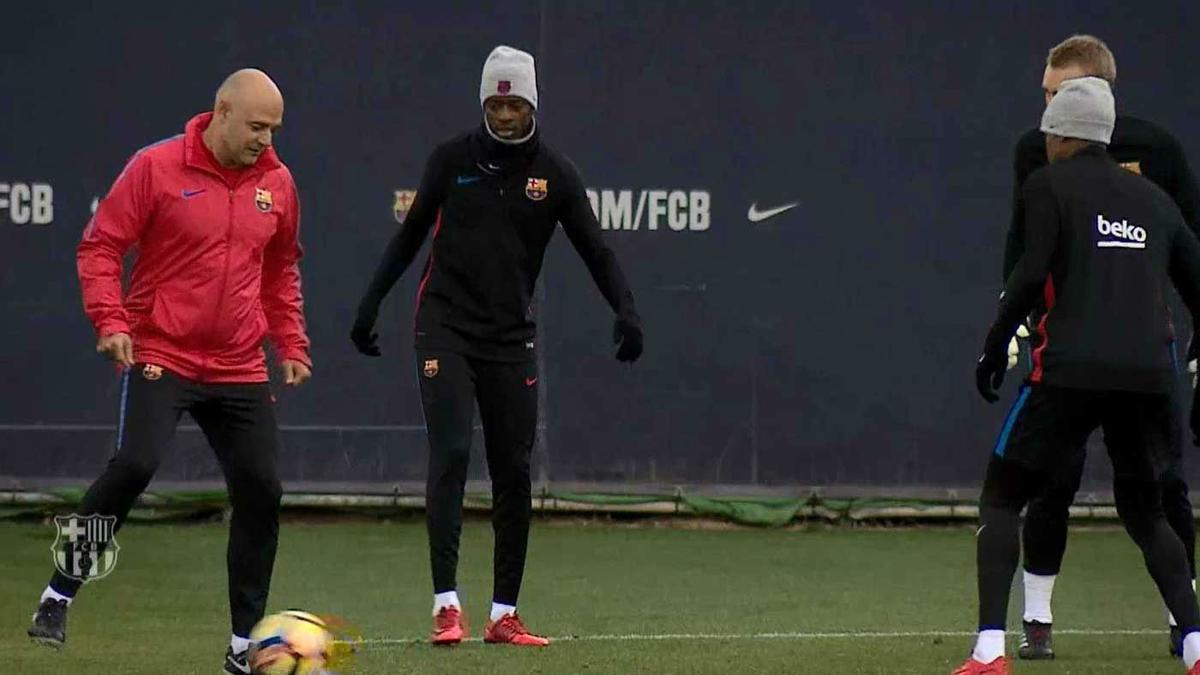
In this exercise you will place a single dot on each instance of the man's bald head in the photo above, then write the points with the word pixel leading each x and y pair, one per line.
pixel 248 84
pixel 247 111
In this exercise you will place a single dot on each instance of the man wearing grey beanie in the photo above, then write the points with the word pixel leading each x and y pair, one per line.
pixel 1146 149
pixel 492 197
pixel 1101 246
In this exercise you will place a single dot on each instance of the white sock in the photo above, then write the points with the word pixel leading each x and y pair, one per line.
pixel 1171 617
pixel 1039 589
pixel 444 600
pixel 989 646
pixel 54 595
pixel 239 644
pixel 499 611
pixel 1191 649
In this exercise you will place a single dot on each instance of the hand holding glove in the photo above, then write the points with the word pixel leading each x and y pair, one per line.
pixel 1014 346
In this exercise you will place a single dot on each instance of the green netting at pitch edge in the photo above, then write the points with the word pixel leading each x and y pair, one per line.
pixel 762 512
pixel 755 511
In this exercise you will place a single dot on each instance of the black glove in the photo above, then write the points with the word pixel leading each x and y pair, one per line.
pixel 629 336
pixel 989 375
pixel 363 333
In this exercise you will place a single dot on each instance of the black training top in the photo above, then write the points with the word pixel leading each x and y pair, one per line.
pixel 493 208
pixel 1140 146
pixel 1101 244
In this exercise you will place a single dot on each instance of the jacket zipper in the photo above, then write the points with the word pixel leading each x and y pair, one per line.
pixel 224 279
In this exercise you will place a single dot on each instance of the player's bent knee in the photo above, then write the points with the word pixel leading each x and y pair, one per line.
pixel 1137 497
pixel 1174 490
pixel 1054 502
pixel 258 492
pixel 1006 487
pixel 270 489
pixel 1139 506
pixel 451 458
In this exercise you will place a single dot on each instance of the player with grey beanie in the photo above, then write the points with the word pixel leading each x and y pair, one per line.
pixel 1147 149
pixel 492 198
pixel 1083 108
pixel 1101 244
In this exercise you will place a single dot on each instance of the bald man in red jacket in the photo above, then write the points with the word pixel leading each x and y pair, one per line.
pixel 214 217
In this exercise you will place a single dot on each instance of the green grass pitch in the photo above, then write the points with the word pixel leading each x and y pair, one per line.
pixel 636 600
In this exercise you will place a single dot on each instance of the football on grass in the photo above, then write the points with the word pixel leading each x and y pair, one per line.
pixel 290 643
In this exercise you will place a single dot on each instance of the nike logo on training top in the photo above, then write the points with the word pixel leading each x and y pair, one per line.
pixel 756 216
pixel 192 193
pixel 466 180
pixel 1119 234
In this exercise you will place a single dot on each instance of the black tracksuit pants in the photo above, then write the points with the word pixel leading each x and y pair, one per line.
pixel 239 422
pixel 451 385
pixel 1044 534
pixel 1041 441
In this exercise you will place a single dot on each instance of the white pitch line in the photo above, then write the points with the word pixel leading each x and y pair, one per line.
pixel 778 636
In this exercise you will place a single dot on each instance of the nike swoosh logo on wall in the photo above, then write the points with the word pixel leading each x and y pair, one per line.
pixel 192 193
pixel 756 216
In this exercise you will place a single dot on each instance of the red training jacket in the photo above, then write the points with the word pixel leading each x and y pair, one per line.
pixel 217 264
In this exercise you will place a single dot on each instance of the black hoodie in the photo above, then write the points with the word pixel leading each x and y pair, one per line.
pixel 493 208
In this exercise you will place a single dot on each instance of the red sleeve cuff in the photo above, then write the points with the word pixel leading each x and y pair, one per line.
pixel 296 355
pixel 112 327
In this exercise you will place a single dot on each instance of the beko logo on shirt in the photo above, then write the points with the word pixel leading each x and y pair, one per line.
pixel 677 210
pixel 1119 234
pixel 27 203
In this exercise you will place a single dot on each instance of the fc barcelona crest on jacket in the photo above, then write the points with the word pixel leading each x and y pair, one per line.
pixel 537 189
pixel 431 367
pixel 403 202
pixel 262 199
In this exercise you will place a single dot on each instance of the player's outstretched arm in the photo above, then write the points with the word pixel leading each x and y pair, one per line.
pixel 583 230
pixel 400 252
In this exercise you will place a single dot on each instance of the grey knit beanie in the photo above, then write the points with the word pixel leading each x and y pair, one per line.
pixel 509 72
pixel 1083 108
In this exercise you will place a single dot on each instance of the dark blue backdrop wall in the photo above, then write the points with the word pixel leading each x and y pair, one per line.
pixel 832 344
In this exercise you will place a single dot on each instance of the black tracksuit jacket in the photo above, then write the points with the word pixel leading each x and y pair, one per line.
pixel 492 208
pixel 1100 246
